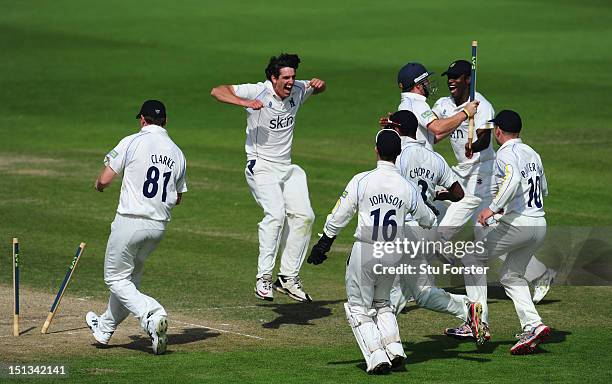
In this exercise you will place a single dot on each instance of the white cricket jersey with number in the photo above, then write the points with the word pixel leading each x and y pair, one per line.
pixel 153 170
pixel 383 198
pixel 270 129
pixel 522 183
pixel 424 167
pixel 446 107
pixel 417 104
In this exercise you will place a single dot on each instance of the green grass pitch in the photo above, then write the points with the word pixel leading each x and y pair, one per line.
pixel 74 73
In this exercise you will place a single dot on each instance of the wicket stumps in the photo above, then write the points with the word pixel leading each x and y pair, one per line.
pixel 16 286
pixel 63 287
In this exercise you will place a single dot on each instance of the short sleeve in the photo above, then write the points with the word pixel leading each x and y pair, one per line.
pixel 447 176
pixel 181 182
pixel 484 114
pixel 437 108
pixel 248 91
pixel 306 89
pixel 423 113
pixel 117 156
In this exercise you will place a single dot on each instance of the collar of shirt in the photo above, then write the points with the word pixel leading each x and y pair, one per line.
pixel 510 142
pixel 154 129
pixel 412 95
pixel 407 140
pixel 268 85
pixel 382 164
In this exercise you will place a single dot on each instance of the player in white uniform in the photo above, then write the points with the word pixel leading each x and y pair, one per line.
pixel 522 226
pixel 427 170
pixel 474 170
pixel 278 186
pixel 153 169
pixel 382 198
pixel 413 80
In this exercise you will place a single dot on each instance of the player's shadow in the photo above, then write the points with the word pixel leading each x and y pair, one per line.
pixel 298 313
pixel 444 347
pixel 143 343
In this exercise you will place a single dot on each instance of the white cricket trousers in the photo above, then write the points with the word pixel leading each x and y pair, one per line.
pixel 131 241
pixel 478 188
pixel 519 237
pixel 421 286
pixel 282 192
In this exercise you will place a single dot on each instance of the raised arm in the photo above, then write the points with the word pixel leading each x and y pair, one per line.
pixel 317 85
pixel 226 94
pixel 444 127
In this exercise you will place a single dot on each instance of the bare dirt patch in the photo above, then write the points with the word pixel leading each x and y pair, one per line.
pixel 69 335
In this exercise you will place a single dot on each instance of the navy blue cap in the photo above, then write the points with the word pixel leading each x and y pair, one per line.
pixel 388 143
pixel 405 121
pixel 508 121
pixel 152 108
pixel 412 74
pixel 458 68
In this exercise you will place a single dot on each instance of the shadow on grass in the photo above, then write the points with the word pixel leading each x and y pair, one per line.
pixel 143 343
pixel 443 347
pixel 298 313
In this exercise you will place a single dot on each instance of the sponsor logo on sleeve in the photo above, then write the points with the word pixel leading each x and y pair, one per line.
pixel 113 154
pixel 427 114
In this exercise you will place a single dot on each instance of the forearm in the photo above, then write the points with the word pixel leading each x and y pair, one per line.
pixel 482 142
pixel 225 94
pixel 445 127
pixel 104 179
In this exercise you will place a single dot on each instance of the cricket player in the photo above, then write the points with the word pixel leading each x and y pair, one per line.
pixel 474 170
pixel 278 186
pixel 153 169
pixel 414 82
pixel 427 170
pixel 382 198
pixel 522 226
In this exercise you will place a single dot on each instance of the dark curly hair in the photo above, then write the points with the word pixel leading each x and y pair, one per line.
pixel 281 61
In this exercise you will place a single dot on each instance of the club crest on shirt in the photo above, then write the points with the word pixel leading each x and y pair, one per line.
pixel 479 181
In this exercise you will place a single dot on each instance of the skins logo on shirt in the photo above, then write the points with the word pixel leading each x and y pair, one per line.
pixel 281 122
pixel 291 102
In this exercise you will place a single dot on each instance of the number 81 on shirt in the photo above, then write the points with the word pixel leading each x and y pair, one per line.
pixel 151 186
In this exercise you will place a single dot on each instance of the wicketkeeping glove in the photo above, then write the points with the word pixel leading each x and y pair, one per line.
pixel 319 250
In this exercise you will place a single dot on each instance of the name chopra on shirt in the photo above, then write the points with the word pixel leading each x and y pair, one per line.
pixel 162 159
pixel 421 172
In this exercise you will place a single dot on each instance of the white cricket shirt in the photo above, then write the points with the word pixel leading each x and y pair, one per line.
pixel 521 181
pixel 383 198
pixel 446 107
pixel 417 104
pixel 270 129
pixel 153 170
pixel 424 167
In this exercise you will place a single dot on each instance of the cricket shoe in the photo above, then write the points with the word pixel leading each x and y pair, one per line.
pixel 542 285
pixel 263 288
pixel 157 328
pixel 464 332
pixel 474 320
pixel 93 323
pixel 529 340
pixel 292 287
